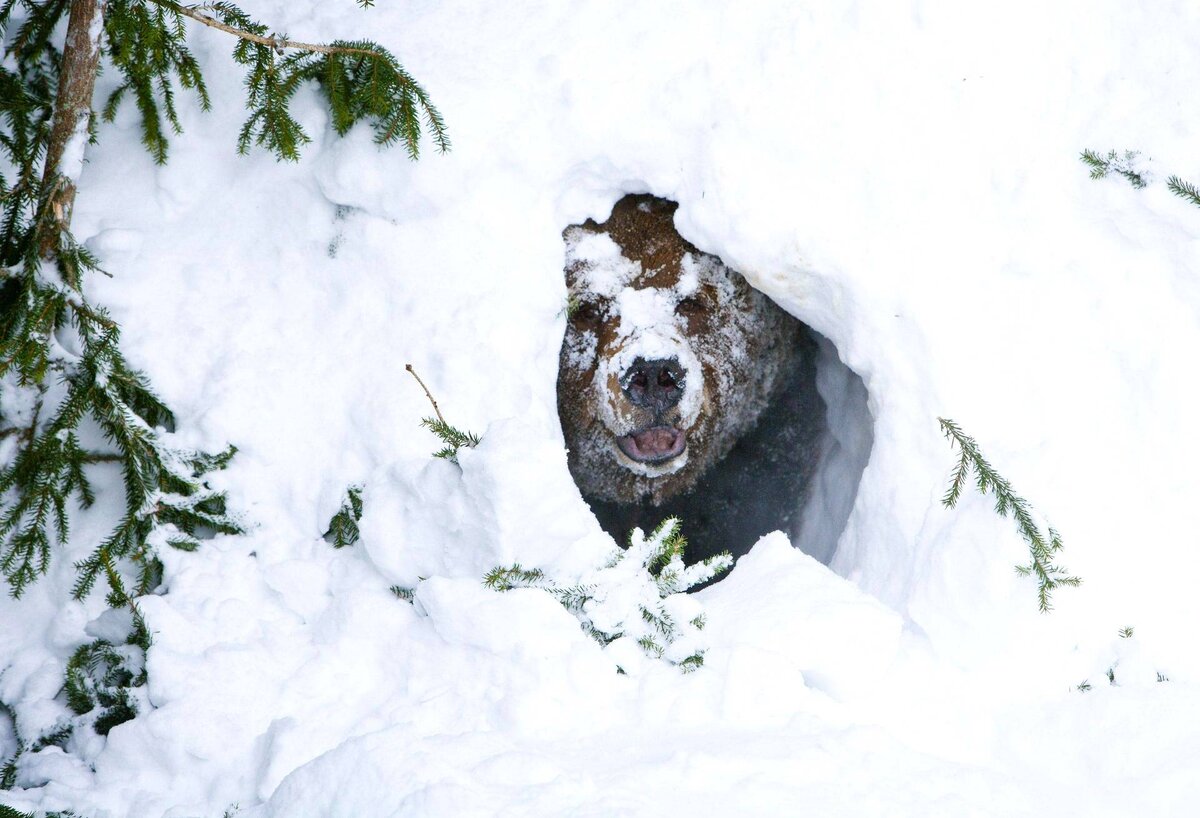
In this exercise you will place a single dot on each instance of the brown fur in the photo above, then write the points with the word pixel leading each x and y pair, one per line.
pixel 739 341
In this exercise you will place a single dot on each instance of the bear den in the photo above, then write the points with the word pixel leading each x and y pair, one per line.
pixel 682 391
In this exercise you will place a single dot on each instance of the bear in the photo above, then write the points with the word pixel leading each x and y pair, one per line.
pixel 682 391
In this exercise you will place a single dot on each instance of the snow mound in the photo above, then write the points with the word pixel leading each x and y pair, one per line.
pixel 902 178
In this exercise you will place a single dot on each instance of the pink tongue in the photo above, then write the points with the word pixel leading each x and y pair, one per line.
pixel 656 441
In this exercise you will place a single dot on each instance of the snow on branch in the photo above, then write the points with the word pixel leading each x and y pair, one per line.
pixel 635 604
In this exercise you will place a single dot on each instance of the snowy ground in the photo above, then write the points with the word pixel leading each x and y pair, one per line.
pixel 904 178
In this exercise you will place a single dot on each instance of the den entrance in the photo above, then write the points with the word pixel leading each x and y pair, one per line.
pixel 795 467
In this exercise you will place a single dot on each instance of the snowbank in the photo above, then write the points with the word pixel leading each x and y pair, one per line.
pixel 900 176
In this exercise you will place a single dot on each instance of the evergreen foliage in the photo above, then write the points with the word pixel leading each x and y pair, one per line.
pixel 1123 165
pixel 62 353
pixel 56 737
pixel 102 686
pixel 9 812
pixel 343 526
pixel 1111 672
pixel 69 399
pixel 453 437
pixel 100 679
pixel 637 596
pixel 1042 547
pixel 359 79
pixel 1184 190
pixel 572 306
pixel 47 326
pixel 146 40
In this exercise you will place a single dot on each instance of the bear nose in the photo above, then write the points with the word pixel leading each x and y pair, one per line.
pixel 656 385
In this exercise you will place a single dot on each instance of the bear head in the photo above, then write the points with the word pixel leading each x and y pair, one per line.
pixel 669 356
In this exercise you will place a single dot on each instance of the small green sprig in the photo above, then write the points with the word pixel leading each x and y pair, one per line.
pixel 453 437
pixel 1042 547
pixel 1184 190
pixel 654 562
pixel 1122 164
pixel 343 526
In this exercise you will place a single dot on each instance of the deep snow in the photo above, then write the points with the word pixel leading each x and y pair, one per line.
pixel 901 176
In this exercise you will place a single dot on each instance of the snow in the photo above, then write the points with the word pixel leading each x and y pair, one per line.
pixel 902 177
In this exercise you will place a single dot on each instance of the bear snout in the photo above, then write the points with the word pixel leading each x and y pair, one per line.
pixel 654 385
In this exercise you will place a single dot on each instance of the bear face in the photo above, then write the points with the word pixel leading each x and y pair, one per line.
pixel 668 359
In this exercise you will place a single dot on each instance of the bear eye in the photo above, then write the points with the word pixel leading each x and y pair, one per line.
pixel 689 306
pixel 586 313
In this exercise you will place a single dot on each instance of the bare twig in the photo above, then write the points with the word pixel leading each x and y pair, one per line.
pixel 277 43
pixel 413 372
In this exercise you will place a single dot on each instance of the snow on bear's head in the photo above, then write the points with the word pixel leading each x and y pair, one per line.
pixel 668 358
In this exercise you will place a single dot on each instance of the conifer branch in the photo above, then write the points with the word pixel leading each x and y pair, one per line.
pixel 1122 165
pixel 343 526
pixel 1042 547
pixel 1184 190
pixel 453 437
pixel 45 97
pixel 275 42
pixel 654 566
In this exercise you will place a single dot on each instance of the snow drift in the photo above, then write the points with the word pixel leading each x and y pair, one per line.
pixel 901 177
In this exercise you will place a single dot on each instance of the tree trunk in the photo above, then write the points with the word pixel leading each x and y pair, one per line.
pixel 72 115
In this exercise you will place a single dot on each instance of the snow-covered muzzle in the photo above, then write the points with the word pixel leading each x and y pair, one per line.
pixel 649 385
pixel 668 357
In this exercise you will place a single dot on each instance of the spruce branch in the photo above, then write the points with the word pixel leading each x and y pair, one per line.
pixel 343 526
pixel 653 565
pixel 251 31
pixel 360 79
pixel 1043 548
pixel 514 576
pixel 147 44
pixel 46 120
pixel 453 437
pixel 1184 190
pixel 1122 165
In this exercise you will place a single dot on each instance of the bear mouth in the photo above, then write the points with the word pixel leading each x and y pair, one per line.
pixel 654 445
